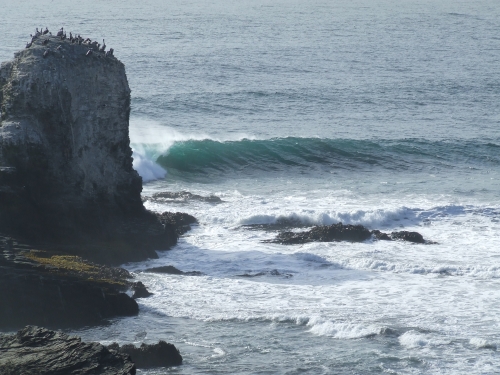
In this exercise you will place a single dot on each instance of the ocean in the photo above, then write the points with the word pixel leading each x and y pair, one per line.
pixel 300 113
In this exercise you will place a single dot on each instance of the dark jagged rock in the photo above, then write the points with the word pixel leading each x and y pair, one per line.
pixel 402 235
pixel 66 173
pixel 171 270
pixel 325 233
pixel 35 350
pixel 140 290
pixel 381 235
pixel 57 290
pixel 408 236
pixel 182 196
pixel 177 221
pixel 280 224
pixel 341 232
pixel 161 354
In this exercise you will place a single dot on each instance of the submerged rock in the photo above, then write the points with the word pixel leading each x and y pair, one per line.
pixel 182 196
pixel 161 354
pixel 266 273
pixel 35 350
pixel 171 270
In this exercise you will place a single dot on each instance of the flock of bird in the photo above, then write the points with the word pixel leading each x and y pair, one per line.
pixel 93 46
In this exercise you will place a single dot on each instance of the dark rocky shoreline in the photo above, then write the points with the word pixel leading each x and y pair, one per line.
pixel 70 203
pixel 39 351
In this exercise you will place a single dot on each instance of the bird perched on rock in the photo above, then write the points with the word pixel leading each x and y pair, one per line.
pixel 28 45
pixel 46 53
pixel 45 31
pixel 103 48
pixel 89 52
pixel 60 32
pixel 110 52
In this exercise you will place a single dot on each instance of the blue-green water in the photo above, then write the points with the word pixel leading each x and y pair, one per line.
pixel 381 113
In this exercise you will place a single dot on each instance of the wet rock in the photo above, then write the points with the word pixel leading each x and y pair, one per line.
pixel 35 350
pixel 381 235
pixel 180 222
pixel 140 290
pixel 280 224
pixel 171 270
pixel 408 236
pixel 161 354
pixel 340 232
pixel 325 233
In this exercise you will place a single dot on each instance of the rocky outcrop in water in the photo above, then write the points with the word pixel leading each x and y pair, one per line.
pixel 325 233
pixel 39 351
pixel 341 232
pixel 171 270
pixel 161 354
pixel 66 171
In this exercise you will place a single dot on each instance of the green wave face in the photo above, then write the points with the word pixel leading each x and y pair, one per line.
pixel 209 156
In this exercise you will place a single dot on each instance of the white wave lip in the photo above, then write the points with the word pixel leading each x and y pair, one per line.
pixel 341 330
pixel 151 139
pixel 147 168
pixel 375 218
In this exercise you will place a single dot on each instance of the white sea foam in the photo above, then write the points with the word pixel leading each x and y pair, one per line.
pixel 370 218
pixel 414 339
pixel 147 168
pixel 341 330
pixel 481 343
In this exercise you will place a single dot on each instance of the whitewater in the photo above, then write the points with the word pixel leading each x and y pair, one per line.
pixel 294 114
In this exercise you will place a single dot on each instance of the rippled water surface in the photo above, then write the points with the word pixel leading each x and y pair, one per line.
pixel 380 113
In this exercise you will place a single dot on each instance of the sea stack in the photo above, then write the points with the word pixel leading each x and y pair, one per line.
pixel 66 171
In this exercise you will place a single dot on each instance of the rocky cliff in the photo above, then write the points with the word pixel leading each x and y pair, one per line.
pixel 66 171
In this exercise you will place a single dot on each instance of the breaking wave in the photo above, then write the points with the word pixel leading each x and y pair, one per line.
pixel 207 156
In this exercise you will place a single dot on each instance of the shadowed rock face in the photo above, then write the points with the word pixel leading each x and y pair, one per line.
pixel 151 355
pixel 35 350
pixel 65 160
pixel 341 232
pixel 325 233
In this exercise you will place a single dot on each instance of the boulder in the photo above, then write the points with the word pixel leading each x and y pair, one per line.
pixel 408 236
pixel 161 354
pixel 140 290
pixel 179 222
